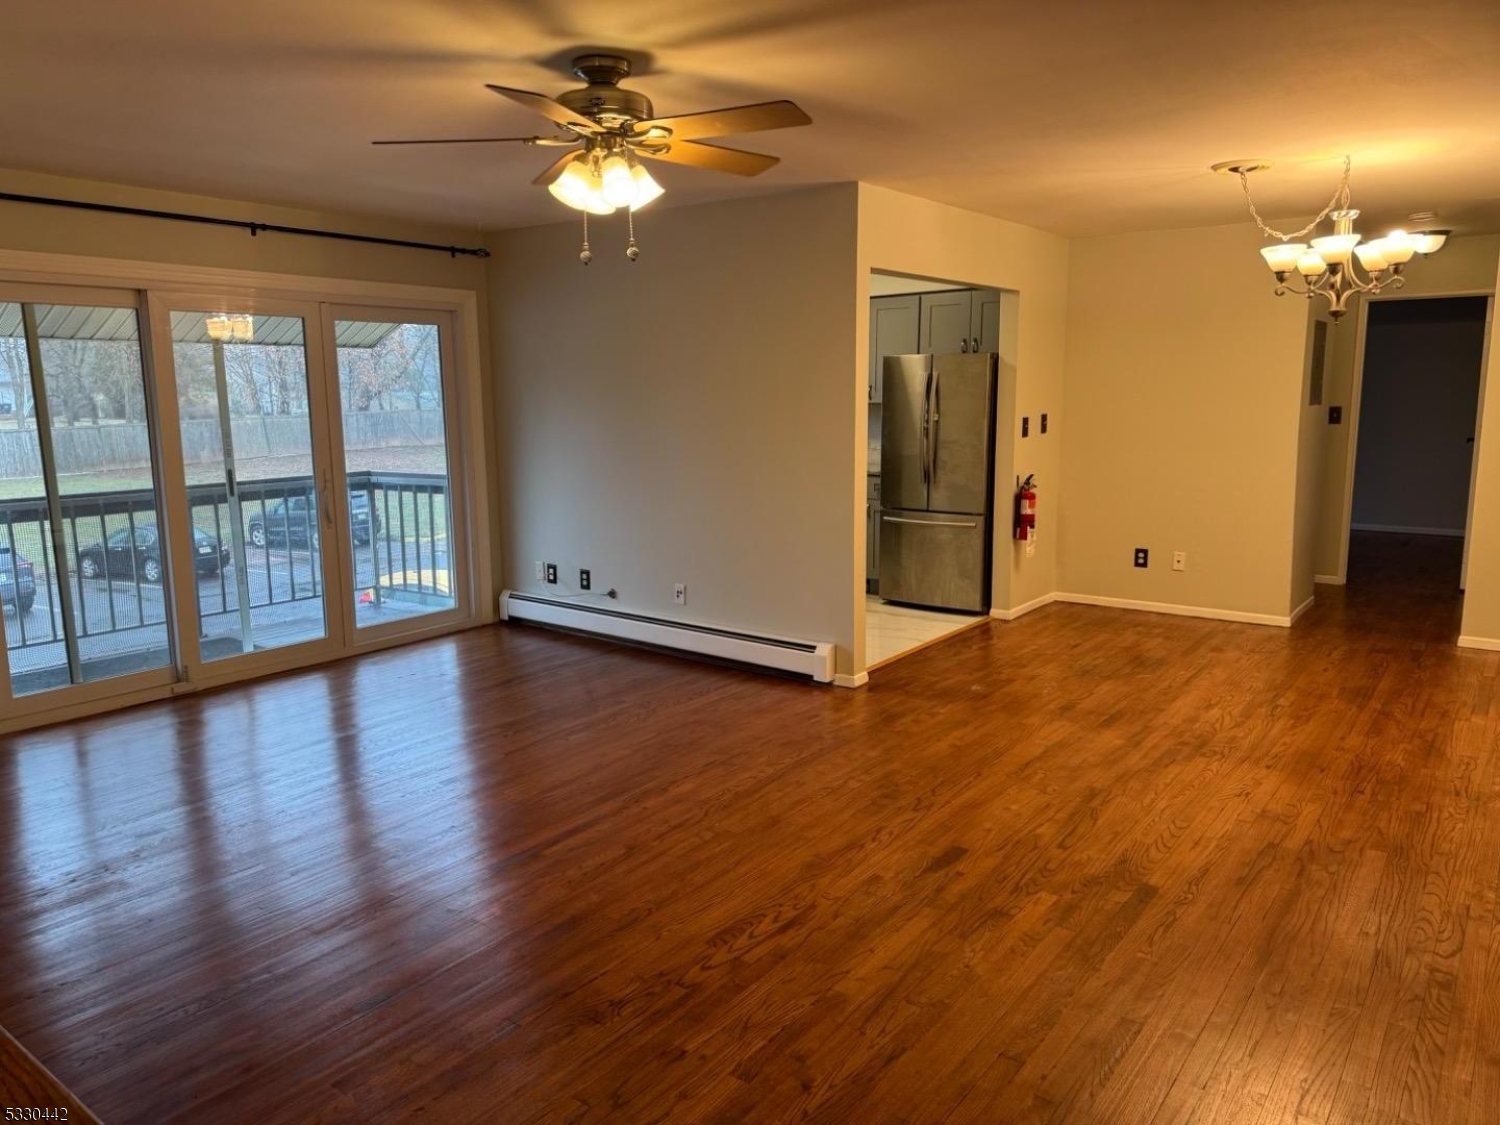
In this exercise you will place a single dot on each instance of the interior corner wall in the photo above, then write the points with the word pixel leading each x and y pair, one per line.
pixel 1467 264
pixel 1481 618
pixel 904 234
pixel 1184 406
pixel 691 417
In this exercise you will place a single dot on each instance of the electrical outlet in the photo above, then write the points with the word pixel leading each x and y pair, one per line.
pixel 552 574
pixel 541 571
pixel 1142 557
pixel 1044 423
pixel 585 580
pixel 679 594
pixel 1025 426
pixel 1179 560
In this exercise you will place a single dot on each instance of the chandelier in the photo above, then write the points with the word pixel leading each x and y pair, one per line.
pixel 1327 264
pixel 225 328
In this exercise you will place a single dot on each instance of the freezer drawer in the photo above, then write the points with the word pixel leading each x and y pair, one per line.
pixel 937 559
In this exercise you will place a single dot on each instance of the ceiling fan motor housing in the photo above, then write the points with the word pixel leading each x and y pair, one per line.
pixel 602 100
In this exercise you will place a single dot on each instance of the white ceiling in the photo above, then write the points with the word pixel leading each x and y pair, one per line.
pixel 1075 116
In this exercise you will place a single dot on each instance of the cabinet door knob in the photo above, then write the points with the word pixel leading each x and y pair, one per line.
pixel 963 346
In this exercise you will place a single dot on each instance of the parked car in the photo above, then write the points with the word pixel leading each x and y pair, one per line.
pixel 17 581
pixel 119 557
pixel 293 522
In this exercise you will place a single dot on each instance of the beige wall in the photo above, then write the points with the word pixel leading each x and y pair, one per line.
pixel 1467 264
pixel 1184 407
pixel 694 417
pixel 903 234
pixel 1481 621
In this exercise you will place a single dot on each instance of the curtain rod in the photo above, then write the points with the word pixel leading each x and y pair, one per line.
pixel 242 224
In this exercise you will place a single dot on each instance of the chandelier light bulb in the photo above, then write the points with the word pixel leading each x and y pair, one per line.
pixel 618 184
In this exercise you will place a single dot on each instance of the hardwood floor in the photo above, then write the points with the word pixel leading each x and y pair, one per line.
pixel 1091 866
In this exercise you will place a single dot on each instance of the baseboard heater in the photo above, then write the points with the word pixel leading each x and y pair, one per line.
pixel 806 658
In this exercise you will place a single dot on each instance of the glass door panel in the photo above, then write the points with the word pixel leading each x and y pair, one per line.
pixel 82 564
pixel 252 481
pixel 394 404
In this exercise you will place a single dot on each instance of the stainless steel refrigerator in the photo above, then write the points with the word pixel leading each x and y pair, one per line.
pixel 936 480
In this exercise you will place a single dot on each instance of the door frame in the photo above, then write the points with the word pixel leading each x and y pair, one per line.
pixel 191 666
pixel 23 710
pixel 1356 394
pixel 460 512
pixel 22 267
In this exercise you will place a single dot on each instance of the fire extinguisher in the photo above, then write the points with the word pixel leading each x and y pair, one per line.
pixel 1025 527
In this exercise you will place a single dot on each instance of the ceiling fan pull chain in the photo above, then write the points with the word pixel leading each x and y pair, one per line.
pixel 632 251
pixel 586 255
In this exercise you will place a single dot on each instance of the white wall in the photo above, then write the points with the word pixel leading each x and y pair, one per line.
pixel 693 417
pixel 903 234
pixel 1418 406
pixel 1184 400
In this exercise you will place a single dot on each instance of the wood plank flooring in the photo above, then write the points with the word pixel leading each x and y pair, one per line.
pixel 1091 866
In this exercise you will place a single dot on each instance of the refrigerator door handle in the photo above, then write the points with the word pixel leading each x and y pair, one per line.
pixel 928 523
pixel 926 428
pixel 932 439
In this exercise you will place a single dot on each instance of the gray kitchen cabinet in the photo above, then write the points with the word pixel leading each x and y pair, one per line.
pixel 893 331
pixel 945 322
pixel 984 320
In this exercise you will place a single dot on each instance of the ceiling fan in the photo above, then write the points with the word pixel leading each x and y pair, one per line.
pixel 606 128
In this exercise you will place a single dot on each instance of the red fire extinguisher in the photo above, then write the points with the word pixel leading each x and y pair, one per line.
pixel 1025 527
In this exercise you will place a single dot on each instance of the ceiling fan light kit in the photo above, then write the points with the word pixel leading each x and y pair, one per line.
pixel 1327 264
pixel 616 129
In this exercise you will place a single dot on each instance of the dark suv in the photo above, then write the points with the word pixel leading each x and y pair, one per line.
pixel 293 522
pixel 17 581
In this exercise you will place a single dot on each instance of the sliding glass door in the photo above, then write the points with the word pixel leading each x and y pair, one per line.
pixel 403 524
pixel 83 581
pixel 246 485
pixel 251 477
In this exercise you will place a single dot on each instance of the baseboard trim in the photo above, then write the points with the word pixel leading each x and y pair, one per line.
pixel 1280 620
pixel 1328 580
pixel 1024 609
pixel 1390 529
pixel 1488 644
pixel 841 680
pixel 1300 610
pixel 783 654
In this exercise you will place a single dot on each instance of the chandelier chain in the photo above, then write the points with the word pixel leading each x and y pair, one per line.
pixel 1340 200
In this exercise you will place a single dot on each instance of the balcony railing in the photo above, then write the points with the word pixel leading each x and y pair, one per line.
pixel 399 527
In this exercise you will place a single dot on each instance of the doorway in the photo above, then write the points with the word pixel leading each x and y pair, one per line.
pixel 1414 457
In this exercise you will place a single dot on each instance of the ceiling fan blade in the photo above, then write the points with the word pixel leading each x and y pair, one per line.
pixel 713 157
pixel 469 141
pixel 553 111
pixel 737 119
pixel 555 169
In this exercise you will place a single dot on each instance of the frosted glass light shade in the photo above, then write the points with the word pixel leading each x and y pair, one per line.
pixel 618 185
pixel 580 189
pixel 646 188
pixel 1311 264
pixel 1398 247
pixel 1429 241
pixel 1371 255
pixel 1335 248
pixel 1282 258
